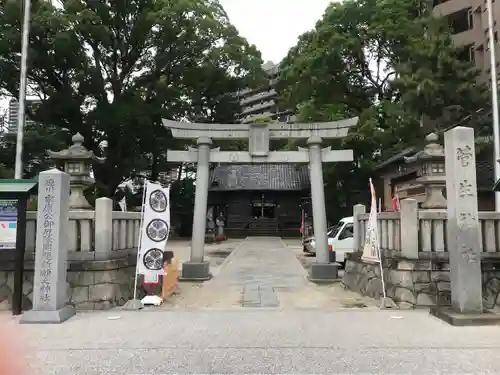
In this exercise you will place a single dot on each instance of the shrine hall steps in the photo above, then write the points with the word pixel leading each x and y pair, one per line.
pixel 259 228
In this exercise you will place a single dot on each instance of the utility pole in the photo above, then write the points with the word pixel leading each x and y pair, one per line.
pixel 22 90
pixel 494 99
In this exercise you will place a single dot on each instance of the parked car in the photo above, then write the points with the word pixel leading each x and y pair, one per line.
pixel 340 241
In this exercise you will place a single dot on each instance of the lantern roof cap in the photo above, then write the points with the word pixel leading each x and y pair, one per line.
pixel 76 152
pixel 432 150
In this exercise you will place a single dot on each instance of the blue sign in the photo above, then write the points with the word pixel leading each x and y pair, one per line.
pixel 8 224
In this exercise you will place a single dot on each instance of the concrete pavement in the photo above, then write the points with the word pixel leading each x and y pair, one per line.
pixel 262 261
pixel 258 315
pixel 259 267
pixel 260 341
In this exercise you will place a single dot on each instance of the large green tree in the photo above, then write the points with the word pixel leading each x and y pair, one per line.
pixel 390 63
pixel 112 69
pixel 36 141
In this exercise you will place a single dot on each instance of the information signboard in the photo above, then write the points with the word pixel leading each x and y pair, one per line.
pixel 8 224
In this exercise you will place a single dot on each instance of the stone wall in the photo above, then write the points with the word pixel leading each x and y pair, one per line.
pixel 491 285
pixel 415 283
pixel 91 285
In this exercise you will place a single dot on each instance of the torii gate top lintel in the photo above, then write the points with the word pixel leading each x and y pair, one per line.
pixel 258 136
pixel 325 130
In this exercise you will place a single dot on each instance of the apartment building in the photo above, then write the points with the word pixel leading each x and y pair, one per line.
pixel 262 102
pixel 14 111
pixel 3 120
pixel 468 20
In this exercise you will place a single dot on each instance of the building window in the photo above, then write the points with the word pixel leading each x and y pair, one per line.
pixel 467 53
pixel 461 21
pixel 472 53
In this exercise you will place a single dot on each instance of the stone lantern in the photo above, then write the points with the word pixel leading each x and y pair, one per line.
pixel 431 172
pixel 77 162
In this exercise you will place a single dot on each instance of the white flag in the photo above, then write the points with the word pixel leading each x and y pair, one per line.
pixel 155 230
pixel 371 250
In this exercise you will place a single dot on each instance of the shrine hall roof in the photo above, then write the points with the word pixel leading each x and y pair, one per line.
pixel 259 177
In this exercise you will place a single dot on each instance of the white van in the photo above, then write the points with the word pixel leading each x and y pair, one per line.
pixel 340 240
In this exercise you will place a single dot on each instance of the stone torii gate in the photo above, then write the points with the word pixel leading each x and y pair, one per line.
pixel 258 136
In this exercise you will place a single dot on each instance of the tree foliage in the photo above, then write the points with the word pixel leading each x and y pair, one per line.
pixel 113 69
pixel 390 63
pixel 37 140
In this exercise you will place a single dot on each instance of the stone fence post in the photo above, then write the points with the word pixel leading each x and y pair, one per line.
pixel 358 209
pixel 103 228
pixel 409 228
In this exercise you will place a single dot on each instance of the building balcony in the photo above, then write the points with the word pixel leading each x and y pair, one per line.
pixel 254 98
pixel 465 38
pixel 448 7
pixel 252 118
pixel 258 107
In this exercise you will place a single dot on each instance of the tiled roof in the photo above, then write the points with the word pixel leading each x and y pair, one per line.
pixel 399 156
pixel 259 177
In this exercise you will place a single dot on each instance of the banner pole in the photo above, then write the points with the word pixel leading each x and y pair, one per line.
pixel 382 278
pixel 140 239
pixel 379 251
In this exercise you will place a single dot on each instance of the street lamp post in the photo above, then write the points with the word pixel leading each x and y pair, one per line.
pixel 22 90
pixel 494 99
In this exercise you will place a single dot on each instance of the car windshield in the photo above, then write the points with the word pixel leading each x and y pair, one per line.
pixel 335 229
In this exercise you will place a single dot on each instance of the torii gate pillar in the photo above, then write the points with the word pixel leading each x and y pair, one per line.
pixel 318 201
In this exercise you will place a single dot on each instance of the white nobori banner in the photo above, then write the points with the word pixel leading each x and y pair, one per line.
pixel 371 250
pixel 154 232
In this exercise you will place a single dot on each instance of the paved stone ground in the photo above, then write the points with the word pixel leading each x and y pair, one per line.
pixel 209 331
pixel 195 295
pixel 258 341
pixel 304 258
pixel 259 267
pixel 262 272
pixel 214 253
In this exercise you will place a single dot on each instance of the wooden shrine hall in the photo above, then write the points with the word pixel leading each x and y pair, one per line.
pixel 260 199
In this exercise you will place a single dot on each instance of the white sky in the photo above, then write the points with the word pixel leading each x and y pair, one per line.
pixel 272 25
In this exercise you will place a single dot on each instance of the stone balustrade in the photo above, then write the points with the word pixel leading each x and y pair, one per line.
pixel 102 248
pixel 415 257
pixel 430 232
pixel 389 224
pixel 115 236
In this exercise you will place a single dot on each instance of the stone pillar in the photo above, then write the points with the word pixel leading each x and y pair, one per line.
pixel 387 194
pixel 359 209
pixel 322 270
pixel 49 289
pixel 463 230
pixel 409 228
pixel 197 268
pixel 103 227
